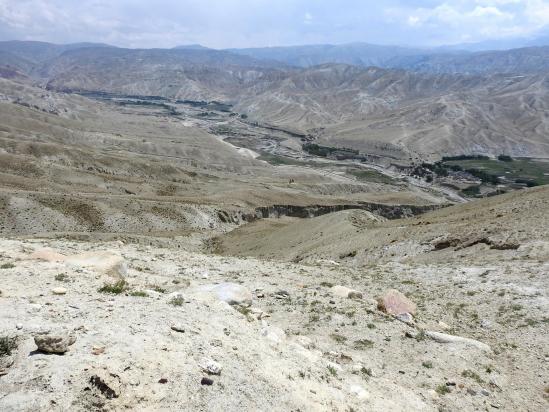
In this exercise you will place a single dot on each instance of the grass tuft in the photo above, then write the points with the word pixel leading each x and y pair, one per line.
pixel 114 288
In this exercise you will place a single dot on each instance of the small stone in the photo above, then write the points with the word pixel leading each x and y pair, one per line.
pixel 162 380
pixel 206 381
pixel 495 381
pixel 59 291
pixel 54 343
pixel 394 302
pixel 305 341
pixel 406 318
pixel 443 325
pixel 210 366
pixel 178 327
pixel 411 334
pixel 345 292
pixel 485 392
pixel 19 326
pixel 486 324
pixel 282 294
pixel 471 392
pixel 98 350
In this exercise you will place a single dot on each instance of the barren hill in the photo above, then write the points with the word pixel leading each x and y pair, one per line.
pixel 409 113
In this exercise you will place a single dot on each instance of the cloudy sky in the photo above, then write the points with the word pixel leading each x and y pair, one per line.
pixel 246 23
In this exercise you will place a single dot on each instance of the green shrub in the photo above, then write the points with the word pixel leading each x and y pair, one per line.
pixel 139 293
pixel 7 345
pixel 114 288
pixel 177 301
pixel 442 389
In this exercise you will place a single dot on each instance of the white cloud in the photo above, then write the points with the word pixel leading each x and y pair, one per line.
pixel 243 23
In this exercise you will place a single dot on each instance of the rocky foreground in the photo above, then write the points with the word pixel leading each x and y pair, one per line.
pixel 111 326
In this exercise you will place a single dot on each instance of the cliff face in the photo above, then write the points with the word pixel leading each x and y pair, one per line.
pixel 386 211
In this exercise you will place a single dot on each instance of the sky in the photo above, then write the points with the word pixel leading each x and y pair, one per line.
pixel 255 23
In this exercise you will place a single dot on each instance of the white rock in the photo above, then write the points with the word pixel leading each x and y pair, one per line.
pixel 273 333
pixel 405 317
pixel 443 325
pixel 59 291
pixel 231 293
pixel 444 338
pixel 210 366
pixel 345 292
pixel 359 392
pixel 305 341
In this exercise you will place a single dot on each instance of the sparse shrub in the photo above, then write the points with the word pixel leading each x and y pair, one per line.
pixel 332 370
pixel 243 309
pixel 314 317
pixel 139 294
pixel 61 277
pixel 7 345
pixel 472 374
pixel 366 371
pixel 427 364
pixel 7 265
pixel 421 336
pixel 371 326
pixel 338 338
pixel 363 344
pixel 177 301
pixel 158 289
pixel 442 389
pixel 114 288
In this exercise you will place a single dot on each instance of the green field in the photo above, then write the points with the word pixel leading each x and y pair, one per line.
pixel 371 176
pixel 281 160
pixel 529 169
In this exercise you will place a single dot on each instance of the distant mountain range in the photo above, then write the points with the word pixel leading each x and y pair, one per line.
pixel 453 103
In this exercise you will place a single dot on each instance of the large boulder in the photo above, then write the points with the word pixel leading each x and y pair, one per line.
pixel 395 303
pixel 231 293
pixel 105 262
pixel 48 255
pixel 54 342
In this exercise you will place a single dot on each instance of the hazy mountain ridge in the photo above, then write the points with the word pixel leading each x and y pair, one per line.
pixel 342 105
pixel 529 60
pixel 358 54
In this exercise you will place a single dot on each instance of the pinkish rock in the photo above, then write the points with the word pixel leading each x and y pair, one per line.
pixel 395 303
